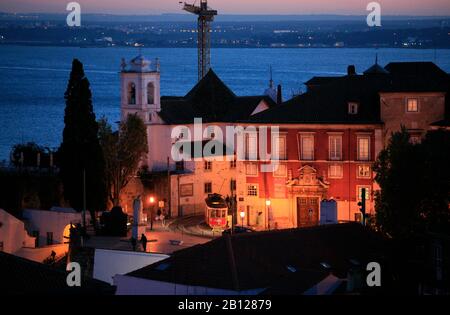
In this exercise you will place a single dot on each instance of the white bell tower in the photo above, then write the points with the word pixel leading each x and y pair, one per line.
pixel 140 89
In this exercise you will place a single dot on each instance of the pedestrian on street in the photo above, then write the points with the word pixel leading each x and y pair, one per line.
pixel 144 242
pixel 133 243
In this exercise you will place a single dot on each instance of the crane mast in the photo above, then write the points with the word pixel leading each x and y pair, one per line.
pixel 205 17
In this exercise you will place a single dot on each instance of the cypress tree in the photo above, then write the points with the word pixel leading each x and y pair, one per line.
pixel 80 150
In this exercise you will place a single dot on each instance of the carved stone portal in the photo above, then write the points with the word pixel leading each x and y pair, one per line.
pixel 308 183
pixel 306 192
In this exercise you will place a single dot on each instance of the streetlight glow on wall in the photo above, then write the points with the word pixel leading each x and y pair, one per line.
pixel 242 214
pixel 268 203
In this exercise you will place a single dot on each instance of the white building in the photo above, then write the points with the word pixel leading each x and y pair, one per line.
pixel 13 235
pixel 51 226
pixel 110 263
pixel 213 102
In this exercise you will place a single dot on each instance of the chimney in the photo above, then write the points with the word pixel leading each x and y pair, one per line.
pixel 279 95
pixel 351 70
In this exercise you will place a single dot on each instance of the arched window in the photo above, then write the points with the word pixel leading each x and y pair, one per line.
pixel 131 93
pixel 150 93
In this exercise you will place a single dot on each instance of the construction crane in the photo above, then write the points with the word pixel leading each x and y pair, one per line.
pixel 205 17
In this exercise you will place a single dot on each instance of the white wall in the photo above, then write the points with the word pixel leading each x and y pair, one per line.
pixel 109 263
pixel 50 221
pixel 127 285
pixel 13 233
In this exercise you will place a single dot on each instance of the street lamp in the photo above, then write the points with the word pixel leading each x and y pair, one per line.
pixel 268 203
pixel 242 214
pixel 151 200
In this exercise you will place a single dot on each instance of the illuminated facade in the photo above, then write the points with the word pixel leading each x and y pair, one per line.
pixel 329 139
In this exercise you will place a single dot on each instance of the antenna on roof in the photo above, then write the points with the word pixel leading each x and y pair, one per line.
pixel 376 58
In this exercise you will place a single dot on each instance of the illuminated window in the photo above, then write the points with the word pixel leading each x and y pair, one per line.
pixel 281 146
pixel 251 169
pixel 359 192
pixel 208 188
pixel 363 148
pixel 252 190
pixel 335 171
pixel 353 108
pixel 412 105
pixel 363 171
pixel 307 147
pixel 335 147
pixel 252 146
pixel 281 171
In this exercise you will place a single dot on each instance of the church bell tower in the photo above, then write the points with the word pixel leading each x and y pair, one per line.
pixel 140 89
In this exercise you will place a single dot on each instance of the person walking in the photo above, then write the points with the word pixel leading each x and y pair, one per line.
pixel 144 242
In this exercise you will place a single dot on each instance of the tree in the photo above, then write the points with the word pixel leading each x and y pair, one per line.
pixel 123 150
pixel 414 181
pixel 26 154
pixel 80 150
pixel 434 206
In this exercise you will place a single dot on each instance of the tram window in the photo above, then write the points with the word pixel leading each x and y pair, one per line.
pixel 224 213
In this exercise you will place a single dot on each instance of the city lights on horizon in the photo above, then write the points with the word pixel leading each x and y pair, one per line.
pixel 296 7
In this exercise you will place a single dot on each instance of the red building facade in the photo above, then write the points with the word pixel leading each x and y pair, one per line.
pixel 331 136
pixel 317 162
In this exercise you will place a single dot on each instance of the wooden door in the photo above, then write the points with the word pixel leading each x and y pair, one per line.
pixel 307 211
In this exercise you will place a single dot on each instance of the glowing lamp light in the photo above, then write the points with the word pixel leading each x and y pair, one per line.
pixel 242 214
pixel 268 202
pixel 151 199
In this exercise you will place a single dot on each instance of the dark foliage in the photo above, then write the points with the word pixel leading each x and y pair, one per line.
pixel 80 149
pixel 122 150
pixel 20 190
pixel 415 185
pixel 26 155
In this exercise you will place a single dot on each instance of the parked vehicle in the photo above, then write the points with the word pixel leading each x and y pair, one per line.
pixel 238 230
